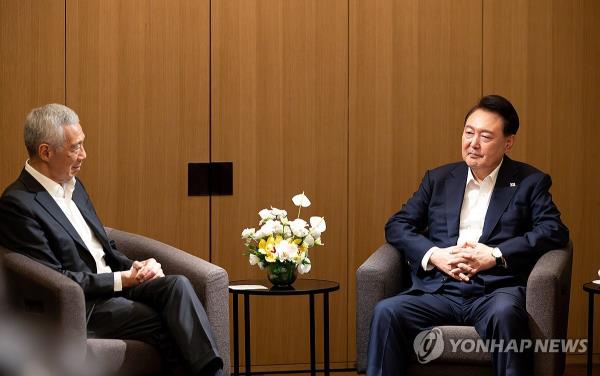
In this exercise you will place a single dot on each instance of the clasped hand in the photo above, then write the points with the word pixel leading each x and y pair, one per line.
pixel 142 271
pixel 462 262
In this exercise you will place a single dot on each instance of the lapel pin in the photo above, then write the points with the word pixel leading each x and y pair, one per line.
pixel 513 184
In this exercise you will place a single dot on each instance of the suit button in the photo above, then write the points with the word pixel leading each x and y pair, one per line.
pixel 444 279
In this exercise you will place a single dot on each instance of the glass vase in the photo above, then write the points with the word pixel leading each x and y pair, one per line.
pixel 281 274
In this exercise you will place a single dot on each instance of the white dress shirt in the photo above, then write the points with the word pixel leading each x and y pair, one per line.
pixel 476 201
pixel 62 195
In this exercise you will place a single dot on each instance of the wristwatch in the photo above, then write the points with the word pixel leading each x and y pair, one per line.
pixel 500 261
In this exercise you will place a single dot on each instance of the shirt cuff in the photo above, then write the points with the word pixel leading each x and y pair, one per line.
pixel 118 281
pixel 425 261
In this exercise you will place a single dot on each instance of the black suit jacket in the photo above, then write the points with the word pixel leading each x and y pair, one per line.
pixel 521 220
pixel 33 224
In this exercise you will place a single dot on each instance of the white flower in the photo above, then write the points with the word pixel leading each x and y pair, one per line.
pixel 287 232
pixel 258 235
pixel 253 259
pixel 304 268
pixel 277 227
pixel 265 215
pixel 248 232
pixel 309 241
pixel 278 213
pixel 299 257
pixel 286 251
pixel 318 241
pixel 298 227
pixel 318 224
pixel 266 230
pixel 301 200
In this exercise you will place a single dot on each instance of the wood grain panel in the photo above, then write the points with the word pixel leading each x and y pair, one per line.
pixel 137 73
pixel 545 55
pixel 32 48
pixel 279 112
pixel 415 70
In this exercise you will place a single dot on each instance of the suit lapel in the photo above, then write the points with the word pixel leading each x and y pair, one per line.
pixel 81 200
pixel 455 191
pixel 504 190
pixel 48 203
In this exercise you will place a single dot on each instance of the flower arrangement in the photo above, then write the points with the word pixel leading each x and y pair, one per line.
pixel 282 245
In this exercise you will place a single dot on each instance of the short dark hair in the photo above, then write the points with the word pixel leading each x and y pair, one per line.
pixel 501 106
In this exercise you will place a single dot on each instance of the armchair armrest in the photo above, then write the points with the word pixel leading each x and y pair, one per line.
pixel 547 301
pixel 379 277
pixel 548 287
pixel 210 281
pixel 50 301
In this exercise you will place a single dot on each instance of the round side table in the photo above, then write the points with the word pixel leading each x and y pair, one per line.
pixel 310 287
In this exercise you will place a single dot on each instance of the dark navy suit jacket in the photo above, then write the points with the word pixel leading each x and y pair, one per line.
pixel 521 220
pixel 32 223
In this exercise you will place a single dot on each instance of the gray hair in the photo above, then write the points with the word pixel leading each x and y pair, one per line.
pixel 46 125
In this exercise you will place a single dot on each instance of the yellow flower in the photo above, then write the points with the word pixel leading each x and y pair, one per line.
pixel 269 247
pixel 270 257
pixel 262 246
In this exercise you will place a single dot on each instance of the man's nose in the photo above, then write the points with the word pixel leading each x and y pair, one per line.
pixel 82 153
pixel 475 142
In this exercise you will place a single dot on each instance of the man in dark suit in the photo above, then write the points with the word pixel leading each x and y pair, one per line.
pixel 47 215
pixel 471 234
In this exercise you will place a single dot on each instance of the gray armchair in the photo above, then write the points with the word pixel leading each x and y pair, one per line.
pixel 38 290
pixel 385 273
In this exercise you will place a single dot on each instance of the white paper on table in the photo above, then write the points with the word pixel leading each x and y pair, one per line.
pixel 248 287
pixel 597 281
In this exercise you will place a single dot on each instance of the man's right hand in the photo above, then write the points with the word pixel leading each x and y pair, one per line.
pixel 129 277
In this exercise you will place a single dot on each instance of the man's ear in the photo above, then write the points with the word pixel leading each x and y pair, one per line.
pixel 510 141
pixel 44 152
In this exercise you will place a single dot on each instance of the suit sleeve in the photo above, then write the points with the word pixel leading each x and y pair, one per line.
pixel 20 232
pixel 124 261
pixel 547 230
pixel 405 229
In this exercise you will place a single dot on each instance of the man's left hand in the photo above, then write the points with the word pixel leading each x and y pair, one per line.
pixel 150 269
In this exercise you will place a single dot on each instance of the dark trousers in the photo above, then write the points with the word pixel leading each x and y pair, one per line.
pixel 165 313
pixel 499 315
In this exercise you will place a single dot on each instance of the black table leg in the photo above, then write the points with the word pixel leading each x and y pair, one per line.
pixel 590 348
pixel 313 363
pixel 247 333
pixel 326 333
pixel 236 344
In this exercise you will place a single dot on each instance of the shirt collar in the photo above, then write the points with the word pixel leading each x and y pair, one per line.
pixel 491 177
pixel 53 188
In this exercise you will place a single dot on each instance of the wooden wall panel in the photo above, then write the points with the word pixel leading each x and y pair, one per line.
pixel 348 100
pixel 415 70
pixel 137 73
pixel 545 56
pixel 279 112
pixel 32 50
